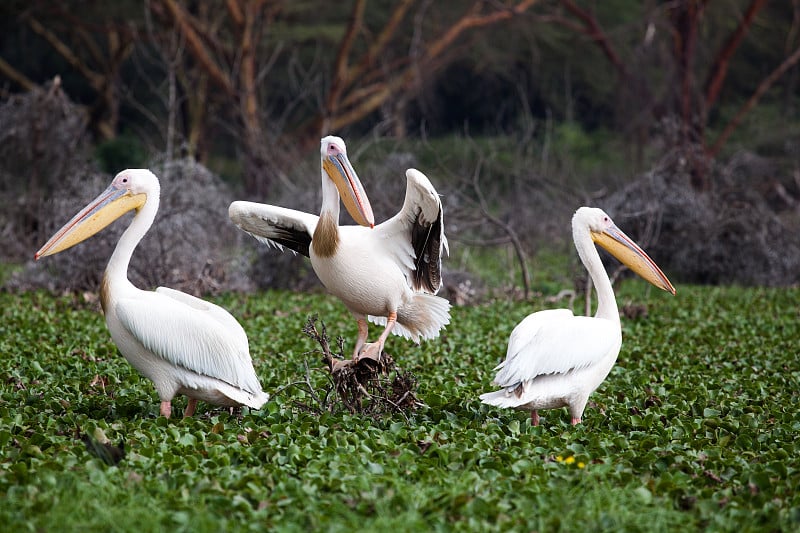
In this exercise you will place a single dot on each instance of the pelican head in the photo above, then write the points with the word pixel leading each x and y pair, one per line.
pixel 337 167
pixel 129 190
pixel 605 233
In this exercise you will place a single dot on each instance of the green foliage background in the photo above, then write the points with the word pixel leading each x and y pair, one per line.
pixel 695 428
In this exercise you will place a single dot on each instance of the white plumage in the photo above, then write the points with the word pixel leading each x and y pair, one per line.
pixel 388 273
pixel 183 344
pixel 556 359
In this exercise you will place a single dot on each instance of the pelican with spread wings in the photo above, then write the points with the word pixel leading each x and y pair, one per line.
pixel 389 273
pixel 183 344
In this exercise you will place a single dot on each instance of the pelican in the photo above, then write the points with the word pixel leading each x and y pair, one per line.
pixel 183 344
pixel 556 359
pixel 388 274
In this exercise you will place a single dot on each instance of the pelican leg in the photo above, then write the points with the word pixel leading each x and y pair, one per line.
pixel 374 350
pixel 391 320
pixel 166 409
pixel 534 417
pixel 362 336
pixel 576 420
pixel 191 405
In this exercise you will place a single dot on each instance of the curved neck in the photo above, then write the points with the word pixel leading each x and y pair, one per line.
pixel 330 198
pixel 606 301
pixel 117 268
pixel 325 240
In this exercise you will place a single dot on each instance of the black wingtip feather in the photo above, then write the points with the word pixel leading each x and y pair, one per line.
pixel 294 240
pixel 427 242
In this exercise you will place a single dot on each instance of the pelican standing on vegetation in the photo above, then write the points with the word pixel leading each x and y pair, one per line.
pixel 556 359
pixel 183 344
pixel 388 273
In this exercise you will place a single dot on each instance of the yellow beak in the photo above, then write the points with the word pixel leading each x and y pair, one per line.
pixel 630 254
pixel 102 211
pixel 350 189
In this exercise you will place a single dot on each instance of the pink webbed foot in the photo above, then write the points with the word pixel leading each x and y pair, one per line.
pixel 371 350
pixel 166 409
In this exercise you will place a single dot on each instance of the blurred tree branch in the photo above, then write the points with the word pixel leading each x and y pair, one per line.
pixel 593 30
pixel 191 30
pixel 692 104
pixel 99 64
pixel 762 88
pixel 212 44
pixel 205 72
pixel 356 92
pixel 16 76
pixel 719 68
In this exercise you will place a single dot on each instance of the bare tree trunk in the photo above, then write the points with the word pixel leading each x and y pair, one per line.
pixel 256 175
pixel 685 16
pixel 197 104
pixel 240 83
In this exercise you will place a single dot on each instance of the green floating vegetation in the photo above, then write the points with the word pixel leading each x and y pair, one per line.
pixel 694 429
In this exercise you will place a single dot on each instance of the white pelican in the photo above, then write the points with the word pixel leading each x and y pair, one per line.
pixel 183 344
pixel 387 273
pixel 555 359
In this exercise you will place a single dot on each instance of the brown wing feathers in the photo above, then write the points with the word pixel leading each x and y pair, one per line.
pixel 426 238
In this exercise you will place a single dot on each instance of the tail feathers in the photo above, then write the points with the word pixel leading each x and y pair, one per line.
pixel 502 398
pixel 421 318
pixel 257 400
pixel 243 397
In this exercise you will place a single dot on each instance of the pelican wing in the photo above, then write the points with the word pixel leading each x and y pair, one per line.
pixel 213 311
pixel 178 331
pixel 416 234
pixel 275 226
pixel 554 342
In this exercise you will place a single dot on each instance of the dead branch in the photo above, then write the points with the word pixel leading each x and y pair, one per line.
pixel 235 11
pixel 95 79
pixel 98 63
pixel 718 72
pixel 328 357
pixel 685 17
pixel 16 76
pixel 340 69
pixel 383 38
pixel 512 235
pixel 751 102
pixel 364 386
pixel 343 110
pixel 593 30
pixel 181 20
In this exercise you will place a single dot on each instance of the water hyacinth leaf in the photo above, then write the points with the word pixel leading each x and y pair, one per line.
pixel 706 449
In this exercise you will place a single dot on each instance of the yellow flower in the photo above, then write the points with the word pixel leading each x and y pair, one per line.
pixel 559 458
pixel 581 464
pixel 569 460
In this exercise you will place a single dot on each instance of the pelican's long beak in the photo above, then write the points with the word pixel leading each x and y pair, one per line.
pixel 630 254
pixel 102 211
pixel 354 198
